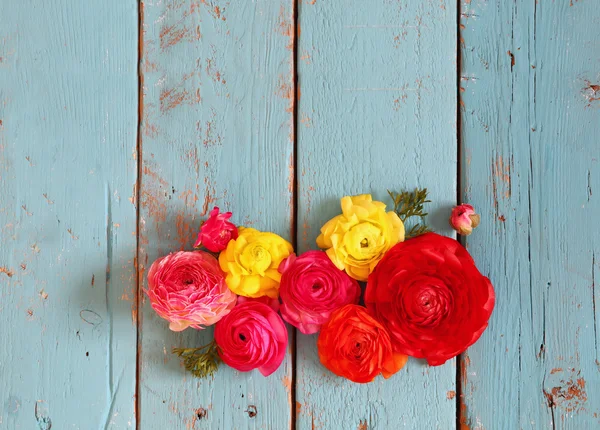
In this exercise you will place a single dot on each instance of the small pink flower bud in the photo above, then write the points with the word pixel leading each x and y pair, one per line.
pixel 216 232
pixel 464 219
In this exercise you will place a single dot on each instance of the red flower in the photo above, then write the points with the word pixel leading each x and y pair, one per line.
pixel 254 337
pixel 356 347
pixel 216 232
pixel 430 296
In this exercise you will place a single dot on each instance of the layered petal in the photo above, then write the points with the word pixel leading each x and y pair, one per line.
pixel 430 296
pixel 251 262
pixel 357 239
pixel 355 346
pixel 188 289
pixel 252 336
pixel 311 288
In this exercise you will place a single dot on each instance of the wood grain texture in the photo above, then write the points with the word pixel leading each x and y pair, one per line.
pixel 216 130
pixel 377 111
pixel 530 139
pixel 68 108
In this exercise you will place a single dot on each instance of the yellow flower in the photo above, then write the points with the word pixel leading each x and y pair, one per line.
pixel 251 263
pixel 358 238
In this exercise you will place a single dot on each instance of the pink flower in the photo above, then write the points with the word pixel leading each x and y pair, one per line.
pixel 272 303
pixel 188 289
pixel 464 219
pixel 252 336
pixel 311 288
pixel 216 232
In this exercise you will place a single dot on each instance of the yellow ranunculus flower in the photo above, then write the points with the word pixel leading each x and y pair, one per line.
pixel 358 238
pixel 251 262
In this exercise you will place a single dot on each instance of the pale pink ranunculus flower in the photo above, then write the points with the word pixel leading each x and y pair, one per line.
pixel 216 232
pixel 252 336
pixel 188 289
pixel 311 288
pixel 464 219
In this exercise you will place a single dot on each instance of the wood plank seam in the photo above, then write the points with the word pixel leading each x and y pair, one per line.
pixel 459 193
pixel 137 192
pixel 294 220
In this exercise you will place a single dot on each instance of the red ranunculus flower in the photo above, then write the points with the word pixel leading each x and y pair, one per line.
pixel 430 296
pixel 217 231
pixel 353 345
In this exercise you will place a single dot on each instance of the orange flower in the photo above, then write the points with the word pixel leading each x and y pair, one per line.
pixel 353 345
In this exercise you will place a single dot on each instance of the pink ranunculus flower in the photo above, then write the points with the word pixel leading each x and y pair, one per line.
pixel 311 288
pixel 464 219
pixel 188 289
pixel 252 336
pixel 217 231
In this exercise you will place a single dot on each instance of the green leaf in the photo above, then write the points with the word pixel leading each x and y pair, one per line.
pixel 409 205
pixel 201 362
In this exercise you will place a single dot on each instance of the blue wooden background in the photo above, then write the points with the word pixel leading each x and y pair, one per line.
pixel 123 122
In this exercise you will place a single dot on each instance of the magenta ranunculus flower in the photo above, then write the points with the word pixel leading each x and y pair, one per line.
pixel 311 288
pixel 252 336
pixel 188 289
pixel 217 231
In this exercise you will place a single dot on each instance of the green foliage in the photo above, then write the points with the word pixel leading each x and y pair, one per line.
pixel 410 205
pixel 201 362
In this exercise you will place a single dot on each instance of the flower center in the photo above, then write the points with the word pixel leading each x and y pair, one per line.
pixel 256 259
pixel 355 349
pixel 242 337
pixel 363 241
pixel 427 305
pixel 185 280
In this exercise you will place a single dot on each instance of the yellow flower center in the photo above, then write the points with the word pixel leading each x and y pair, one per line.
pixel 362 240
pixel 255 258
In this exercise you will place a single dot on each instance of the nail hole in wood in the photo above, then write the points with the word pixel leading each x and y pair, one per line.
pixel 201 413
pixel 252 411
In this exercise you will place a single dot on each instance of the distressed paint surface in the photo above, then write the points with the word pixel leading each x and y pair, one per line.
pixel 376 107
pixel 68 121
pixel 216 130
pixel 530 155
pixel 373 78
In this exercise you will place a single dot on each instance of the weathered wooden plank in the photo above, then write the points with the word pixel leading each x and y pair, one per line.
pixel 377 111
pixel 530 126
pixel 217 124
pixel 68 109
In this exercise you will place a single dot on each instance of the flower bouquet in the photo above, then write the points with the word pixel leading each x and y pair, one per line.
pixel 424 296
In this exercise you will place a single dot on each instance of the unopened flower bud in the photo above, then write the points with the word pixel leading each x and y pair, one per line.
pixel 464 219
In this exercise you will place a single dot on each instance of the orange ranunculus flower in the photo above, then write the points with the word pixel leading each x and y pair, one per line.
pixel 353 345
